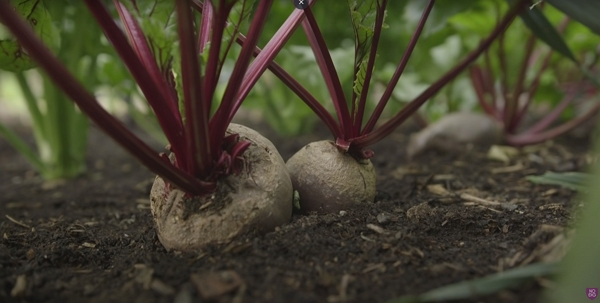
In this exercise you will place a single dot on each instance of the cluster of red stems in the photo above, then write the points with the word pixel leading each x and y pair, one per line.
pixel 202 151
pixel 509 106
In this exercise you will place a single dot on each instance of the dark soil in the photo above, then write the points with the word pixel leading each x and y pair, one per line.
pixel 92 239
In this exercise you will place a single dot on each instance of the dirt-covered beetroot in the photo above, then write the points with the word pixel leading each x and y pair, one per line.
pixel 456 128
pixel 328 180
pixel 260 197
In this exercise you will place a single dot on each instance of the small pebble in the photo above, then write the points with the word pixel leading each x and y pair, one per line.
pixel 383 218
pixel 20 287
pixel 343 213
pixel 162 288
pixel 185 295
pixel 30 254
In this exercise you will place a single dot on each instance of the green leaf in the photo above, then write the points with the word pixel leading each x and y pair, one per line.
pixel 22 147
pixel 361 73
pixel 545 31
pixel 580 265
pixel 237 19
pixel 441 12
pixel 482 286
pixel 217 3
pixel 477 22
pixel 584 11
pixel 12 56
pixel 158 22
pixel 363 14
pixel 572 180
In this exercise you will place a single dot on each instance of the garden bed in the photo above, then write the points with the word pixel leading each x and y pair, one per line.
pixel 93 240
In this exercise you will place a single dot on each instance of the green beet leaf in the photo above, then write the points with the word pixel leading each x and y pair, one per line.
pixel 13 57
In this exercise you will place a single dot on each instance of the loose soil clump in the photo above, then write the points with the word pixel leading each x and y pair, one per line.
pixel 93 239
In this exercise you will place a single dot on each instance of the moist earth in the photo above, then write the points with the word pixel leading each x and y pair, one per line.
pixel 92 239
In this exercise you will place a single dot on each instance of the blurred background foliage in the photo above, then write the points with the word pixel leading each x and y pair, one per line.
pixel 453 28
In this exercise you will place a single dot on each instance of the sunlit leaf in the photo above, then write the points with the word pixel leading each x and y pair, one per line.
pixel 12 56
pixel 158 22
pixel 545 31
pixel 572 180
pixel 359 80
pixel 482 286
pixel 442 11
pixel 584 11
pixel 363 14
pixel 237 19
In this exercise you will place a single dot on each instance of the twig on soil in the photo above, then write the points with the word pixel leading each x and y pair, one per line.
pixel 13 220
pixel 472 200
pixel 488 208
pixel 479 201
pixel 377 229
pixel 20 286
pixel 366 238
pixel 343 294
pixel 508 169
pixel 372 267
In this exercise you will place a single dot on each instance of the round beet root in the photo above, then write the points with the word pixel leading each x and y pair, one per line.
pixel 328 180
pixel 260 197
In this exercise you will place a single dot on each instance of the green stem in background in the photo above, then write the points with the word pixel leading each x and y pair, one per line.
pixel 32 106
pixel 59 129
pixel 22 147
pixel 88 103
pixel 60 133
pixel 37 120
pixel 54 113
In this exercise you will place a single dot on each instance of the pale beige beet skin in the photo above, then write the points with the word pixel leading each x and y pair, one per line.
pixel 328 180
pixel 456 128
pixel 260 198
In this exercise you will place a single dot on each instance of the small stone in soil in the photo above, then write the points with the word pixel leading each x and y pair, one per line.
pixel 30 254
pixel 185 295
pixel 20 287
pixel 375 228
pixel 384 218
pixel 420 211
pixel 215 284
pixel 161 288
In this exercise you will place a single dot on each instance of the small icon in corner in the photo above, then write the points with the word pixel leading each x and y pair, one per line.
pixel 301 4
pixel 592 293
